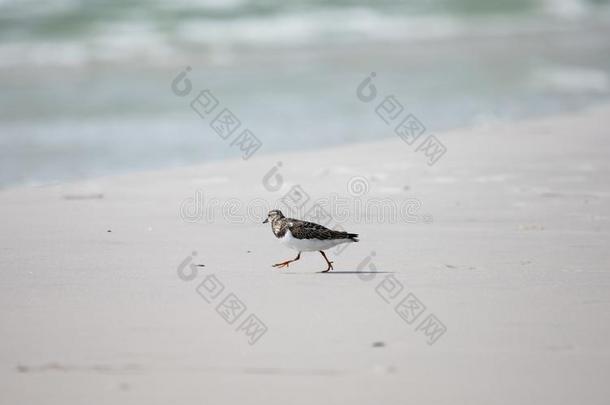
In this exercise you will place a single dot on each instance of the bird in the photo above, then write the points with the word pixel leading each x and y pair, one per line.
pixel 304 236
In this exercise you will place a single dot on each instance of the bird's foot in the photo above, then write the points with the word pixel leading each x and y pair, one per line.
pixel 330 267
pixel 287 262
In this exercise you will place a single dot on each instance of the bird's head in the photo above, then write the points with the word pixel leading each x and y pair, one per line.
pixel 272 215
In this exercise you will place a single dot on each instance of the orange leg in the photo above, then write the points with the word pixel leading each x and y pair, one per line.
pixel 287 262
pixel 330 264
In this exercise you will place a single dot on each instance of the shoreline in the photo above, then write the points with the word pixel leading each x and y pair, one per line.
pixel 277 154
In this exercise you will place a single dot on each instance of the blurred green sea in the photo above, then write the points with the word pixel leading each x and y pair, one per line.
pixel 86 84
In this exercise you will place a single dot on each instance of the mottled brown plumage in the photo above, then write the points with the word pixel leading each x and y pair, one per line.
pixel 304 229
pixel 289 231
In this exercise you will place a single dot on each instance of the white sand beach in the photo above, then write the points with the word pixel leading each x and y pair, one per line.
pixel 510 255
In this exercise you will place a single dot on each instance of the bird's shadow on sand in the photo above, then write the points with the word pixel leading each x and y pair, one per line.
pixel 342 272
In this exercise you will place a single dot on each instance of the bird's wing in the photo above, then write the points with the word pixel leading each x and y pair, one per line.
pixel 309 230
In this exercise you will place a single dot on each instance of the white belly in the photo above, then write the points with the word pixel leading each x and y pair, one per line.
pixel 309 245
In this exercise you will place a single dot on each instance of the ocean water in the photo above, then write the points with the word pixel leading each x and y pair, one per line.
pixel 87 85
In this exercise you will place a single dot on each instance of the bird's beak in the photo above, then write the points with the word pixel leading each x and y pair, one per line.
pixel 266 220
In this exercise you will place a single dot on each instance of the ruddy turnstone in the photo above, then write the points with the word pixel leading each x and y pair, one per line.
pixel 304 236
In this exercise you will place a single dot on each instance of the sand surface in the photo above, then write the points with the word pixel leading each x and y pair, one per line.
pixel 509 251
